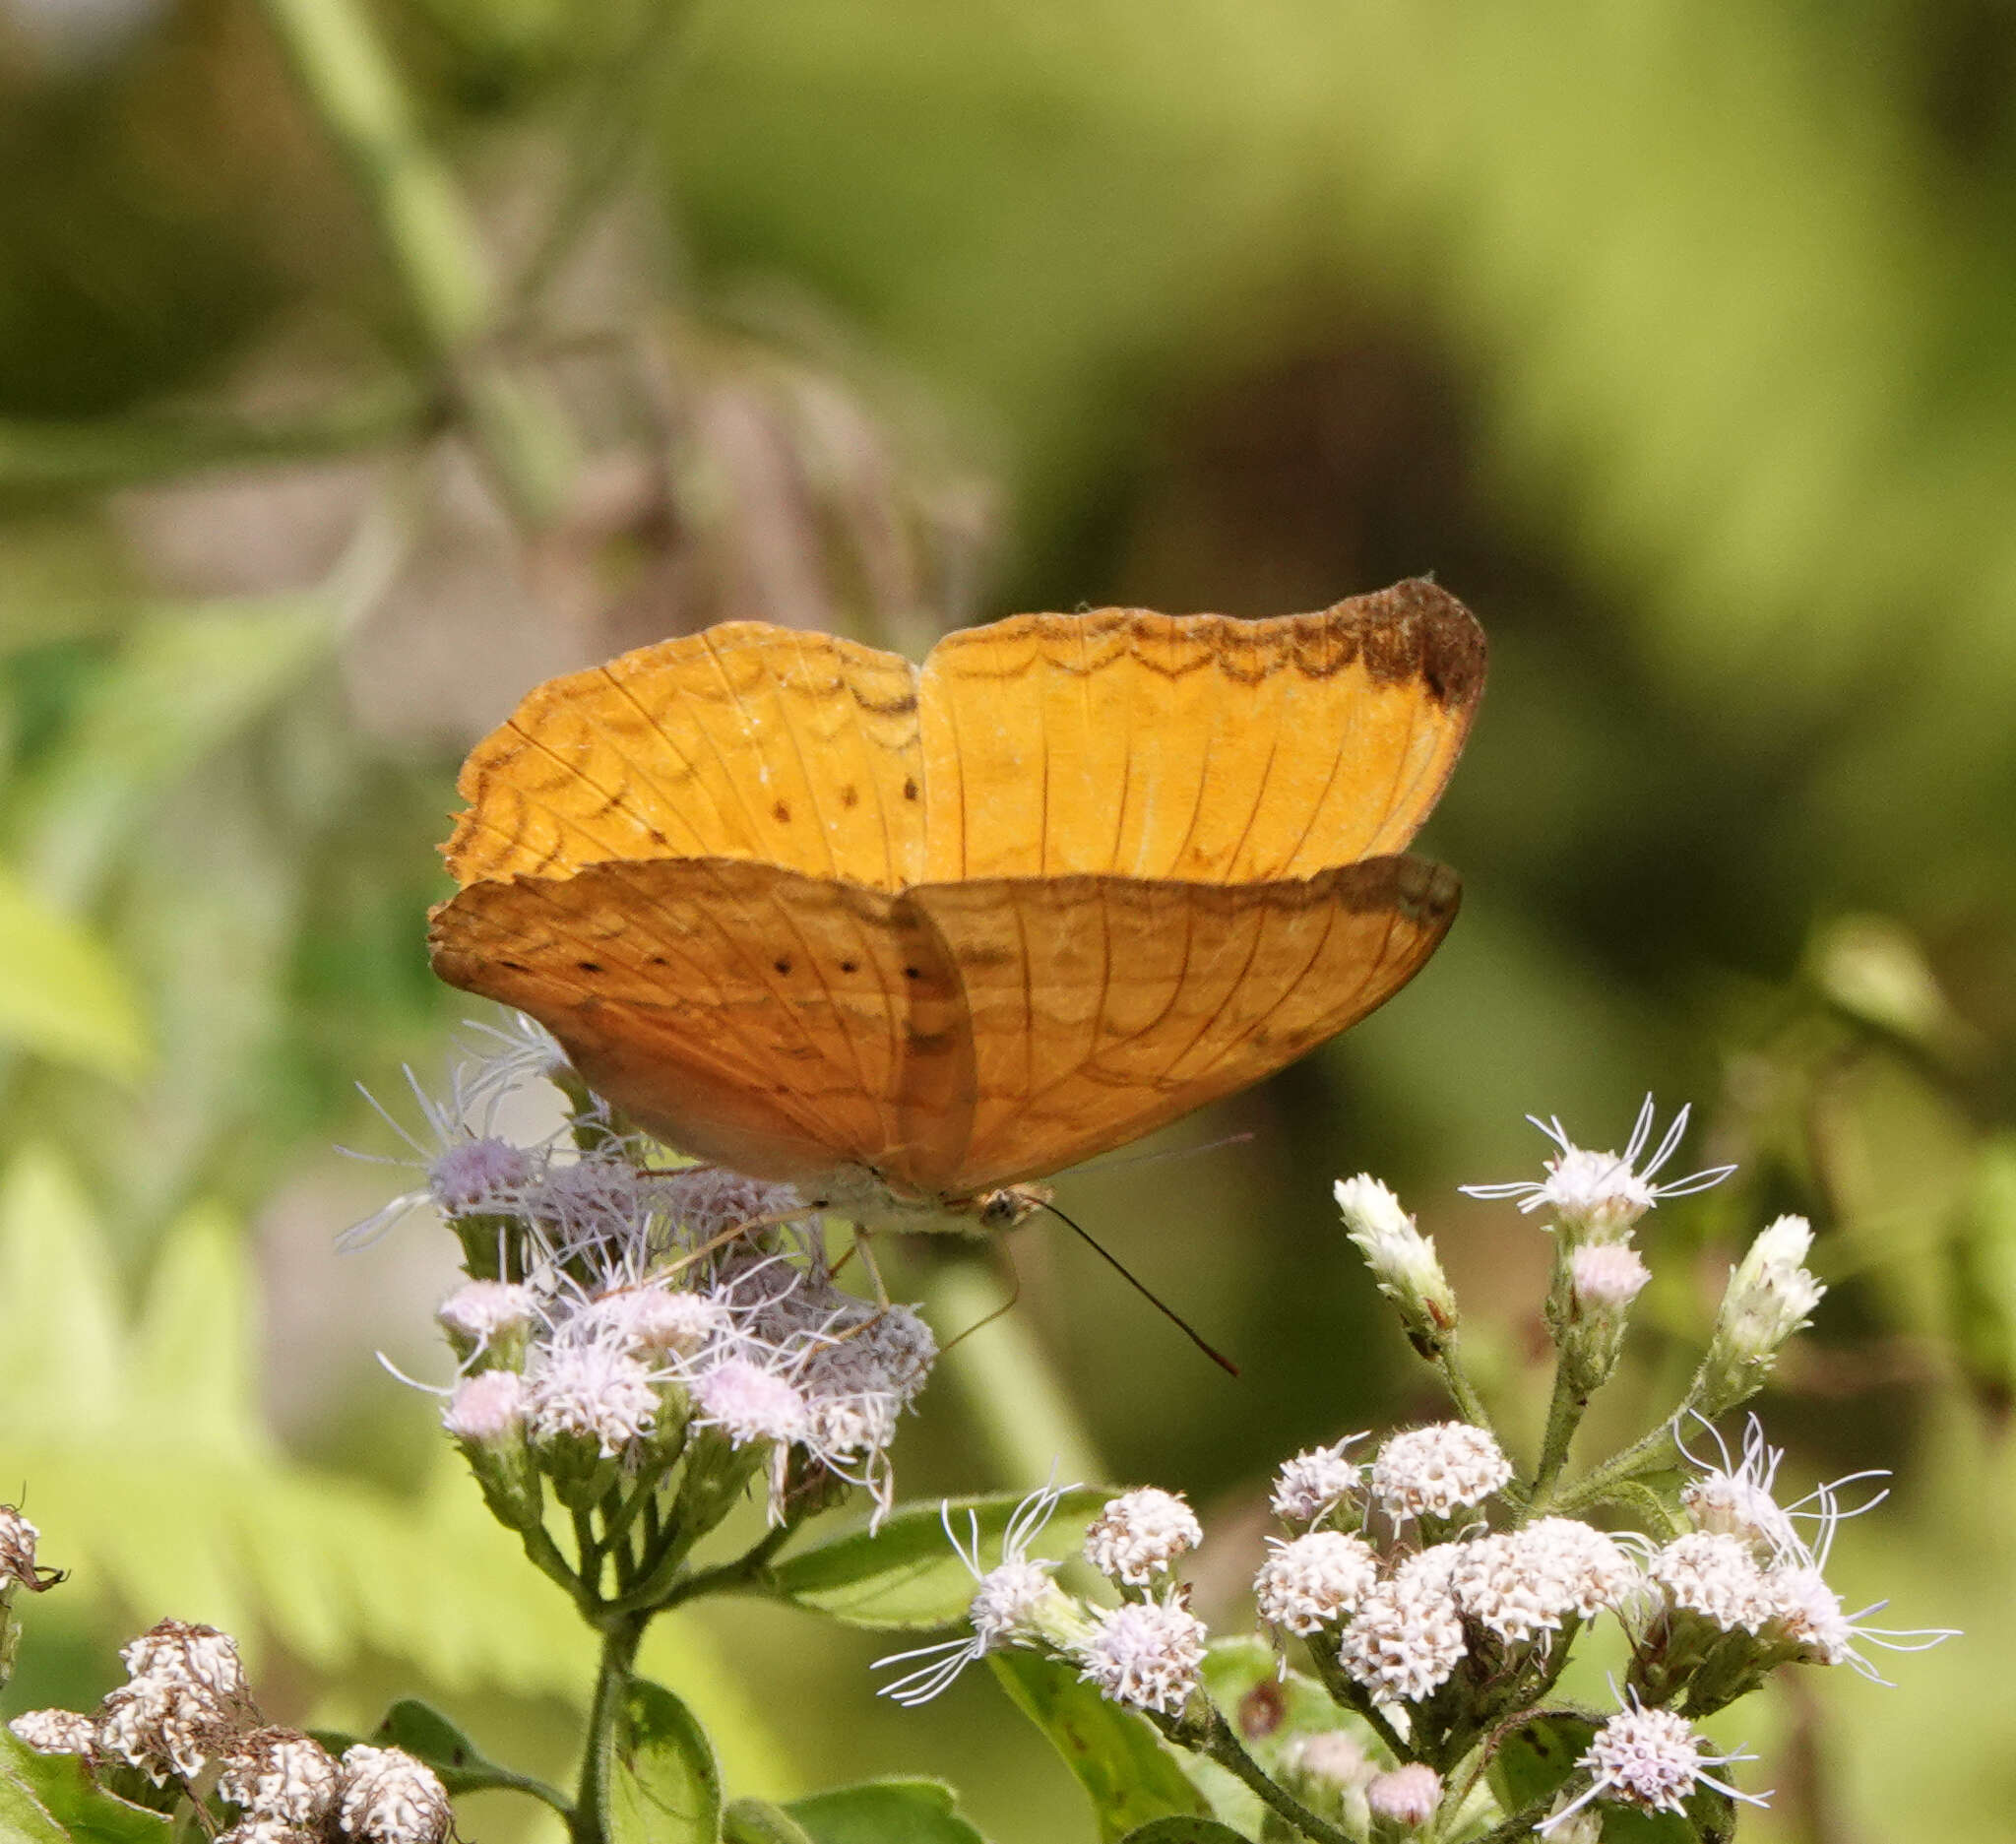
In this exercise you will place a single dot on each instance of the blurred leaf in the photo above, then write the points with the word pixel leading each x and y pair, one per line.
pixel 665 1787
pixel 100 1420
pixel 1875 970
pixel 51 1798
pixel 1983 1273
pixel 1117 1758
pixel 182 687
pixel 884 1812
pixel 758 1822
pixel 62 994
pixel 906 1573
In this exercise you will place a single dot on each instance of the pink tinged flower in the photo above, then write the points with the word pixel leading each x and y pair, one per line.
pixel 1649 1758
pixel 480 1310
pixel 1716 1577
pixel 1312 1485
pixel 1141 1534
pixel 1430 1471
pixel 1314 1581
pixel 1606 1276
pixel 1407 1797
pixel 478 1174
pixel 657 1321
pixel 280 1776
pixel 1145 1653
pixel 1013 1602
pixel 488 1406
pixel 1809 1614
pixel 1603 1195
pixel 1736 1499
pixel 56 1732
pixel 711 1201
pixel 386 1796
pixel 749 1403
pixel 593 1392
pixel 1407 1636
pixel 1333 1757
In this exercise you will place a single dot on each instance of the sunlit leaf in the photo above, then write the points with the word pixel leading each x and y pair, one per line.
pixel 50 1799
pixel 62 994
pixel 665 1787
pixel 884 1812
pixel 758 1822
pixel 1117 1758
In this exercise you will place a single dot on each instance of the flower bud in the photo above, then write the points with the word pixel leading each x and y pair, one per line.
pixel 1402 1259
pixel 1769 1297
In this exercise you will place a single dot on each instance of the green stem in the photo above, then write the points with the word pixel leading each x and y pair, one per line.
pixel 105 452
pixel 1218 1743
pixel 747 1571
pixel 620 1639
pixel 544 1556
pixel 1005 1381
pixel 1565 1408
pixel 1346 1691
pixel 430 241
pixel 1462 1391
pixel 1655 1453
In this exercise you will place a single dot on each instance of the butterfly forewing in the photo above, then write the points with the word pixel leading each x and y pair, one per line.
pixel 1196 748
pixel 742 742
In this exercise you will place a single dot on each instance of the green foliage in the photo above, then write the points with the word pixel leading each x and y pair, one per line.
pixel 1184 1831
pixel 905 1574
pixel 62 994
pixel 1532 1764
pixel 884 1812
pixel 664 1785
pixel 1127 1774
pixel 423 1732
pixel 51 1798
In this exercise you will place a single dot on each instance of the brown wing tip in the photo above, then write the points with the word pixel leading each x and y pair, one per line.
pixel 1427 894
pixel 1417 630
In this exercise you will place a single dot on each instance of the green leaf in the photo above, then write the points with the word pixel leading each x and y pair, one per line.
pixel 884 1812
pixel 62 995
pixel 49 1798
pixel 1532 1763
pixel 1120 1760
pixel 906 1573
pixel 429 1737
pixel 664 1785
pixel 1269 1710
pixel 1184 1831
pixel 758 1822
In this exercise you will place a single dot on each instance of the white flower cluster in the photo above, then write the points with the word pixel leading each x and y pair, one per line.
pixel 187 1704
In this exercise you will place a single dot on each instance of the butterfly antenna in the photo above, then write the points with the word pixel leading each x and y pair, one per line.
pixel 1167 1310
pixel 1007 1307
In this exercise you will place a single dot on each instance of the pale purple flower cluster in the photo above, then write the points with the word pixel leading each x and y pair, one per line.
pixel 621 1305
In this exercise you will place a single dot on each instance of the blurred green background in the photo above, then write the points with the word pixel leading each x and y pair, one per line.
pixel 358 369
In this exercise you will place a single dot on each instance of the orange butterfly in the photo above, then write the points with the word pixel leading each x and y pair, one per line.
pixel 910 937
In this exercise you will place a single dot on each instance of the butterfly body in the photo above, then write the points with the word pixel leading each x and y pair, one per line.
pixel 911 938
